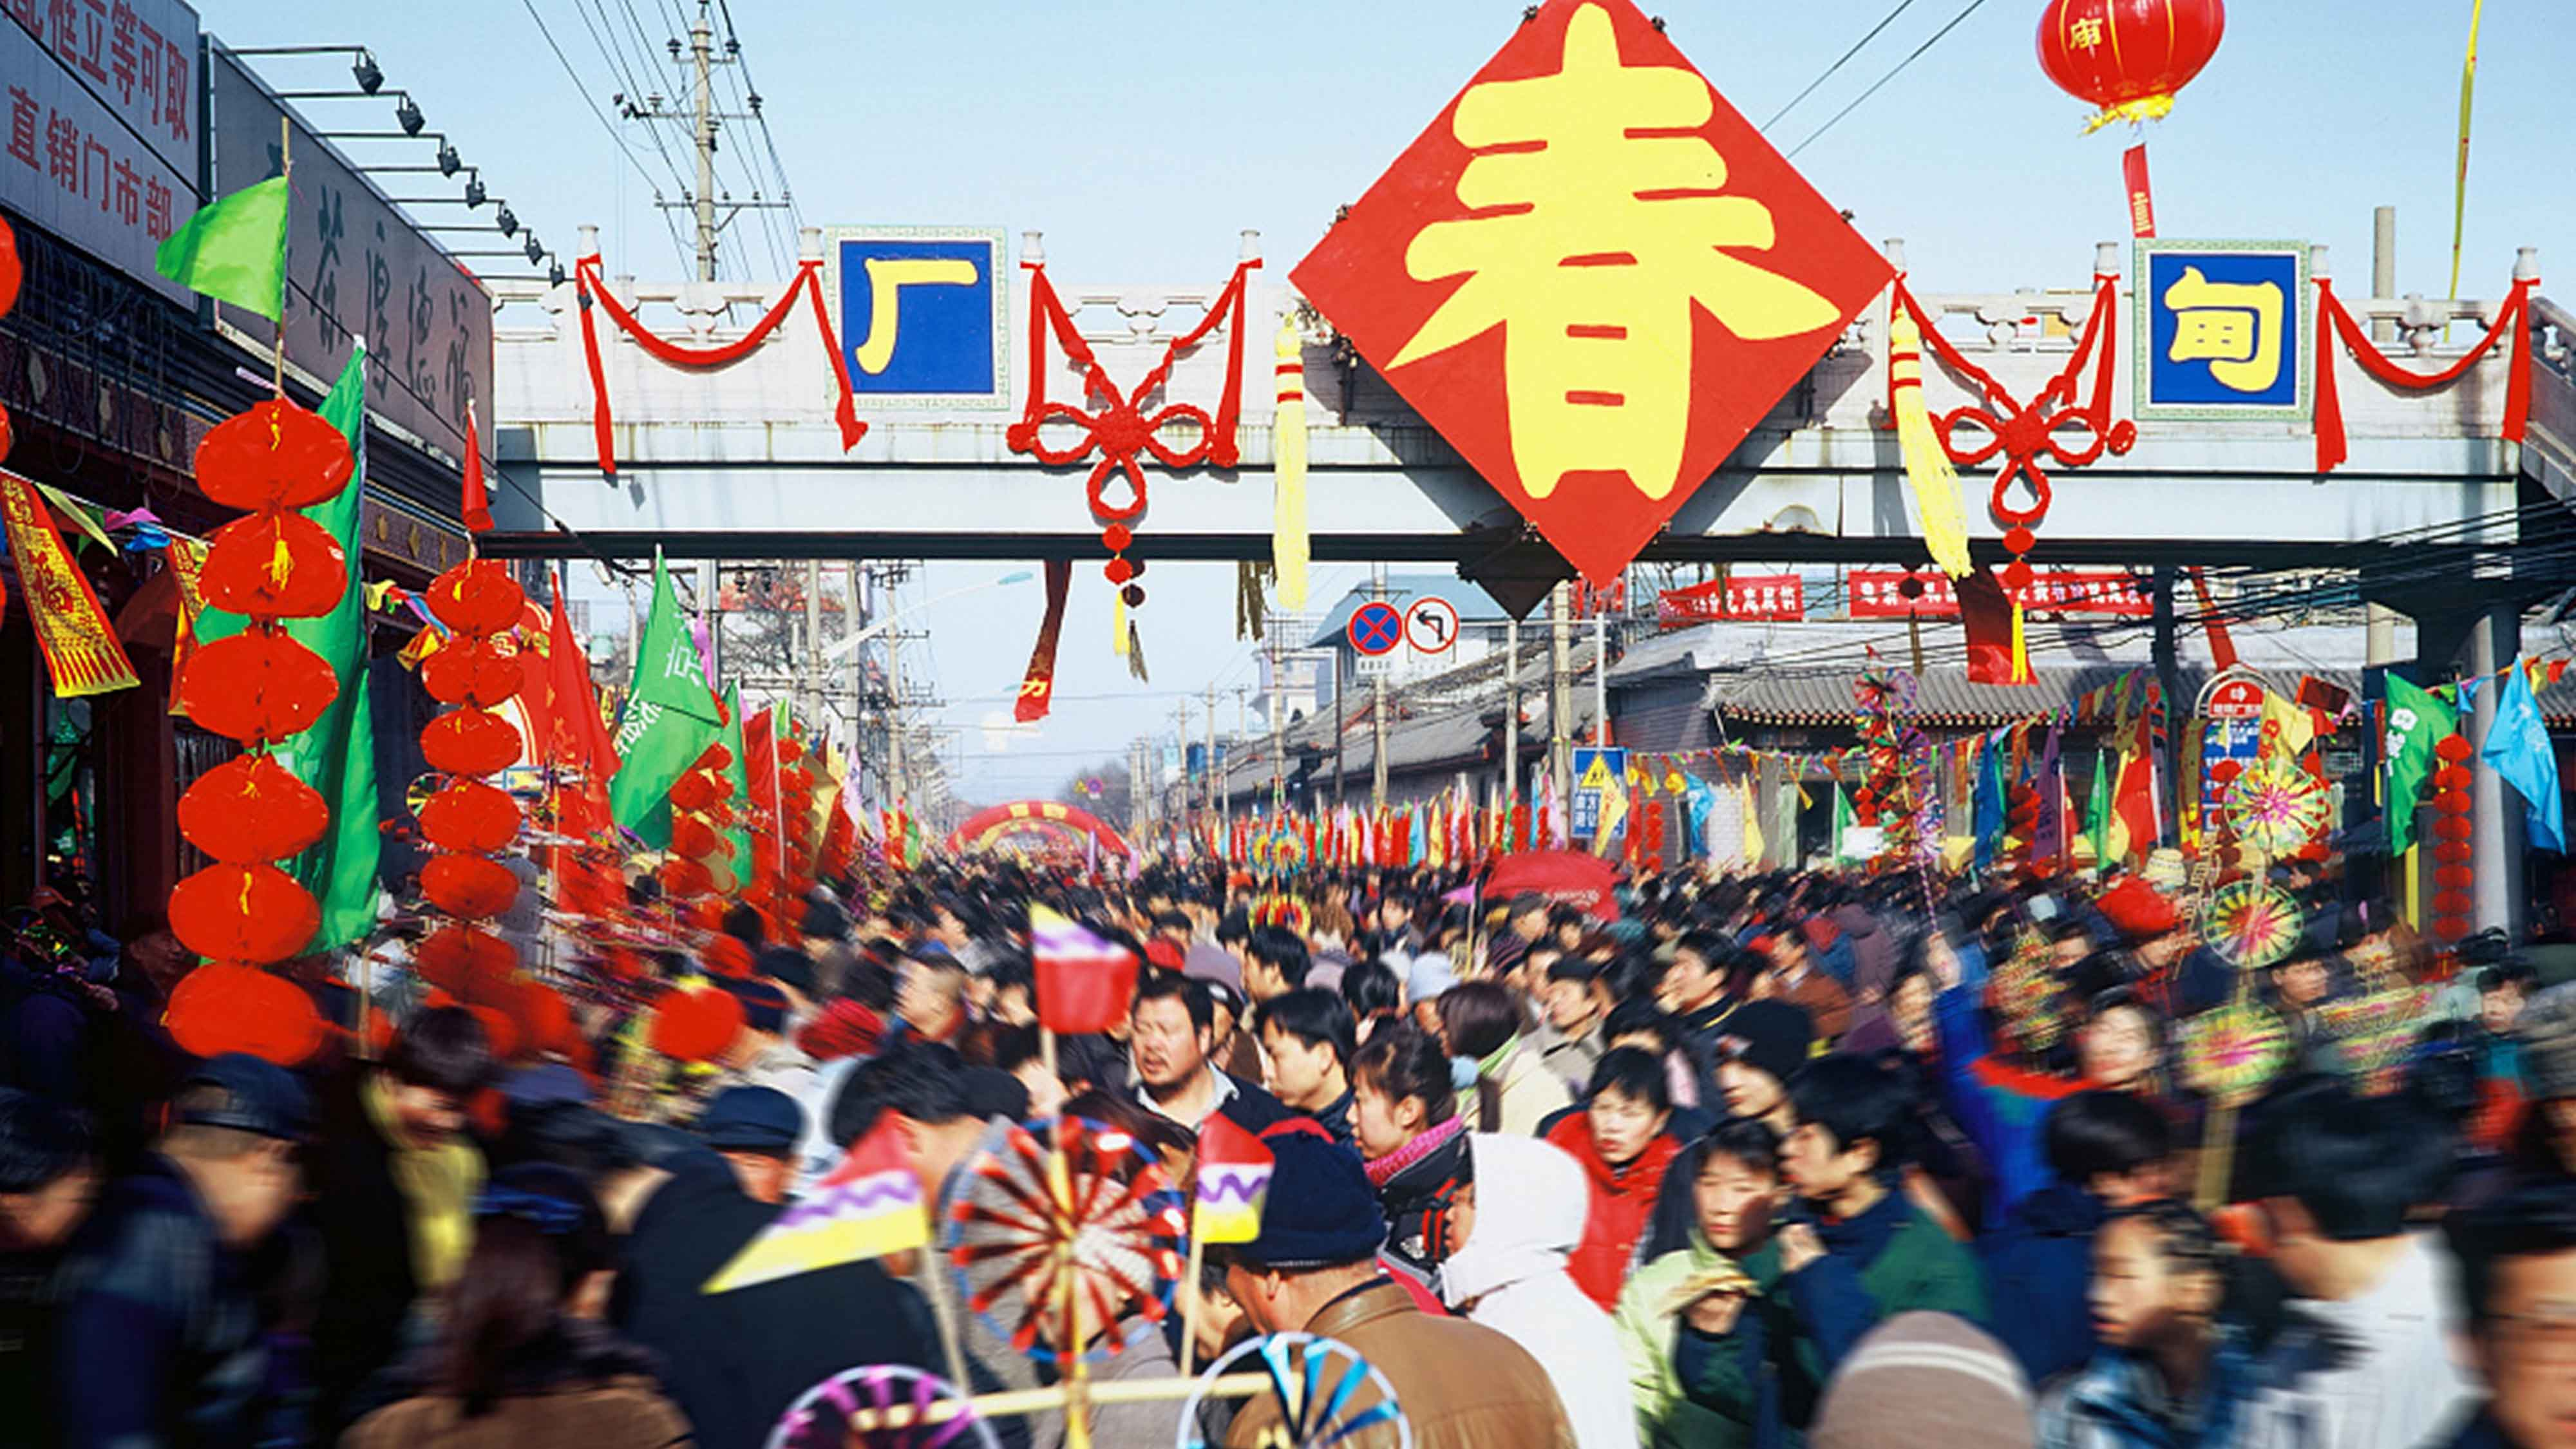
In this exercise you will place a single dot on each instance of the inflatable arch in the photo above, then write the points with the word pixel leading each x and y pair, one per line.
pixel 984 827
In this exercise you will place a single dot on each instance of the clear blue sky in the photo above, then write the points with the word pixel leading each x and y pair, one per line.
pixel 1141 135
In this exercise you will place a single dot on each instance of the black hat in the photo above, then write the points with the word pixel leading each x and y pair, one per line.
pixel 788 966
pixel 764 1009
pixel 1770 1036
pixel 1321 1211
pixel 752 1119
pixel 242 1092
pixel 824 919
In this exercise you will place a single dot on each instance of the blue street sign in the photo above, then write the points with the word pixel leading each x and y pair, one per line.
pixel 1376 628
pixel 1597 772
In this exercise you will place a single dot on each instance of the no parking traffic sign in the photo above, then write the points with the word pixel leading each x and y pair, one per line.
pixel 1376 628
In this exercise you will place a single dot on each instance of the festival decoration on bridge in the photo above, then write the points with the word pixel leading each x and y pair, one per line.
pixel 1122 431
pixel 1927 459
pixel 593 293
pixel 1592 276
pixel 259 687
pixel 2512 327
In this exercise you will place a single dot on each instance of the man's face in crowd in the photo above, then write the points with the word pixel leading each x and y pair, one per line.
pixel 1750 1091
pixel 950 930
pixel 252 1193
pixel 44 1219
pixel 1819 1168
pixel 426 1114
pixel 1911 1007
pixel 1690 983
pixel 2117 1048
pixel 1296 1073
pixel 1622 1125
pixel 1169 1049
pixel 1735 1199
pixel 2302 982
pixel 1569 934
pixel 162 960
pixel 1529 925
pixel 2138 1296
pixel 1393 916
pixel 2499 1009
pixel 2526 1349
pixel 1012 1005
pixel 1571 1005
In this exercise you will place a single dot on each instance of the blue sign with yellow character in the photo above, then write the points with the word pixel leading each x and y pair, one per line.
pixel 921 312
pixel 2222 329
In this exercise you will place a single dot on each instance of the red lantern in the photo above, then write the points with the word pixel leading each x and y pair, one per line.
pixel 692 837
pixel 275 566
pixel 716 758
pixel 465 741
pixel 2451 928
pixel 253 913
pixel 2451 852
pixel 468 887
pixel 276 455
pixel 2453 777
pixel 9 272
pixel 685 879
pixel 2452 827
pixel 2453 877
pixel 475 674
pixel 696 1026
pixel 693 792
pixel 2453 749
pixel 2452 802
pixel 251 809
pixel 2128 57
pixel 459 958
pixel 477 597
pixel 225 1006
pixel 545 1019
pixel 2451 903
pixel 500 1029
pixel 256 686
pixel 471 817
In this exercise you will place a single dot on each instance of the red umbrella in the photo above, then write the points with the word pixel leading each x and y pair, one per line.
pixel 1570 876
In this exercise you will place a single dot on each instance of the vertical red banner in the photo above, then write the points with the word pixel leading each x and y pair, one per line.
pixel 2142 197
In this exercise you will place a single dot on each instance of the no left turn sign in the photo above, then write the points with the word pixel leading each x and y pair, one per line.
pixel 1431 625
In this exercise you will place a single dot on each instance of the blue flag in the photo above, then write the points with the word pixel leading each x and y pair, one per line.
pixel 2517 748
pixel 1989 802
pixel 1699 800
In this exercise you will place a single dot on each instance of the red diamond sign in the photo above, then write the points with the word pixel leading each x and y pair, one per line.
pixel 1593 277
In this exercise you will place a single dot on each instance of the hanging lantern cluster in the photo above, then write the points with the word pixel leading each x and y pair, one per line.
pixel 2452 874
pixel 699 815
pixel 259 687
pixel 802 841
pixel 469 821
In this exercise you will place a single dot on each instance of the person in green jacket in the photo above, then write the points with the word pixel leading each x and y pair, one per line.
pixel 1691 1323
pixel 1854 1252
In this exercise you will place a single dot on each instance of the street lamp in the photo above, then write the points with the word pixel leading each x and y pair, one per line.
pixel 845 647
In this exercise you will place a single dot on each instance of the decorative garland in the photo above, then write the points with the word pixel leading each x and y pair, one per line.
pixel 2021 432
pixel 1122 430
pixel 2332 317
pixel 592 289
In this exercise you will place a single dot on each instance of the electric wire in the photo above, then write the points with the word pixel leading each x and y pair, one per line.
pixel 1857 46
pixel 1916 54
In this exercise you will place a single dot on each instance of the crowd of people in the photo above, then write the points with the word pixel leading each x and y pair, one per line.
pixel 1725 1162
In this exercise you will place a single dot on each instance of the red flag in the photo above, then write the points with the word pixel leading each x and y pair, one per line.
pixel 580 736
pixel 477 511
pixel 1994 637
pixel 1037 688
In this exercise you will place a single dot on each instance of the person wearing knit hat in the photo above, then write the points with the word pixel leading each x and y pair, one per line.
pixel 1925 1381
pixel 1314 1269
pixel 1762 1047
pixel 2186 976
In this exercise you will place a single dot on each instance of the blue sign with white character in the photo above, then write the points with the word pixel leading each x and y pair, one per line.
pixel 921 312
pixel 2222 329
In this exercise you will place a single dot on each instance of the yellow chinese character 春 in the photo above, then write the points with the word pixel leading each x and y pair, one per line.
pixel 1602 222
pixel 2085 34
pixel 2234 326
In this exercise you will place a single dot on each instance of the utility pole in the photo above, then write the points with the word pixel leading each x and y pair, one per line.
pixel 895 771
pixel 703 121
pixel 1377 710
pixel 857 668
pixel 814 667
pixel 711 603
pixel 1511 715
pixel 1560 688
pixel 1181 731
pixel 1600 674
pixel 1278 733
pixel 1216 783
pixel 702 54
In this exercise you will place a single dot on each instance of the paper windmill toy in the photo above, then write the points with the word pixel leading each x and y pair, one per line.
pixel 1076 1235
pixel 1322 1395
pixel 2029 998
pixel 2275 807
pixel 2375 1031
pixel 2231 1052
pixel 2251 924
pixel 942 1418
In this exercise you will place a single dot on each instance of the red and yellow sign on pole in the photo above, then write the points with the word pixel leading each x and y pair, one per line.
pixel 80 648
pixel 1593 277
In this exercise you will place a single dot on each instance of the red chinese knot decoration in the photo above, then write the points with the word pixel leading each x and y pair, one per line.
pixel 2128 57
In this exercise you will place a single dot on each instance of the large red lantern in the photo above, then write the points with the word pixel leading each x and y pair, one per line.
pixel 696 1025
pixel 224 1006
pixel 460 958
pixel 276 455
pixel 469 742
pixel 275 566
pixel 477 597
pixel 468 887
pixel 250 809
pixel 253 913
pixel 470 816
pixel 257 686
pixel 2128 57
pixel 477 674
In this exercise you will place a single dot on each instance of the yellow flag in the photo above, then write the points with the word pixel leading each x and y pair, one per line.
pixel 1753 843
pixel 2297 729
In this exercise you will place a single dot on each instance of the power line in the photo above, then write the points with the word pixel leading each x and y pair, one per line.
pixel 593 107
pixel 1857 48
pixel 1917 54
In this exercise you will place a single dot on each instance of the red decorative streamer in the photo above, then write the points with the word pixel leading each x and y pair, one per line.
pixel 2332 317
pixel 2022 432
pixel 1037 689
pixel 808 281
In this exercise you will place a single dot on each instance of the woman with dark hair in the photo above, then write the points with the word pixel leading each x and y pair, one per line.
pixel 1404 1116
pixel 1620 1138
pixel 521 1358
pixel 1375 995
pixel 1512 1090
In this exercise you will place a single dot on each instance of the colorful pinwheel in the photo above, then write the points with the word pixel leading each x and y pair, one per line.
pixel 820 1417
pixel 2231 1052
pixel 2251 924
pixel 2275 807
pixel 1322 1395
pixel 1081 1216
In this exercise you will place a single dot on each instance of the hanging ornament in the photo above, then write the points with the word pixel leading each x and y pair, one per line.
pixel 274 566
pixel 2454 876
pixel 225 1006
pixel 2128 58
pixel 272 458
pixel 2229 1053
pixel 469 819
pixel 251 809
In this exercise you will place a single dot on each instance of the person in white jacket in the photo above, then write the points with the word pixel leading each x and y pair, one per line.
pixel 1508 1273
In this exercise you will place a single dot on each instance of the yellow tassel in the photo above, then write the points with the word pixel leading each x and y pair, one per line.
pixel 1288 539
pixel 1118 622
pixel 281 564
pixel 1927 463
pixel 2020 648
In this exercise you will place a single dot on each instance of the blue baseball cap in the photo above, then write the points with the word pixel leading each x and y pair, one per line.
pixel 247 1094
pixel 752 1119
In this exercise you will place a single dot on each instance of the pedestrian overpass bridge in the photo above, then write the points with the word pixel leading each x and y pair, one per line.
pixel 745 460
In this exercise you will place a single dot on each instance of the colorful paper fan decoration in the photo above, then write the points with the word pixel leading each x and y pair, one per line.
pixel 1280 911
pixel 2029 999
pixel 2275 807
pixel 2251 924
pixel 1112 1209
pixel 820 1417
pixel 2232 1051
pixel 2376 1031
pixel 1322 1395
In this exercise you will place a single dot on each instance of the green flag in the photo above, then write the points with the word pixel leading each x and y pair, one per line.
pixel 669 721
pixel 1842 821
pixel 2097 809
pixel 739 773
pixel 337 756
pixel 2417 721
pixel 234 250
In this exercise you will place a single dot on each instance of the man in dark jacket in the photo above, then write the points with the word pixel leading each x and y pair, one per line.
pixel 1171 1033
pixel 394 1177
pixel 733 1362
pixel 162 1339
pixel 48 1182
pixel 2108 1150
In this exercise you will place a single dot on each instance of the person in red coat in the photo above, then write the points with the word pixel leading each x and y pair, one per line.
pixel 1620 1139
